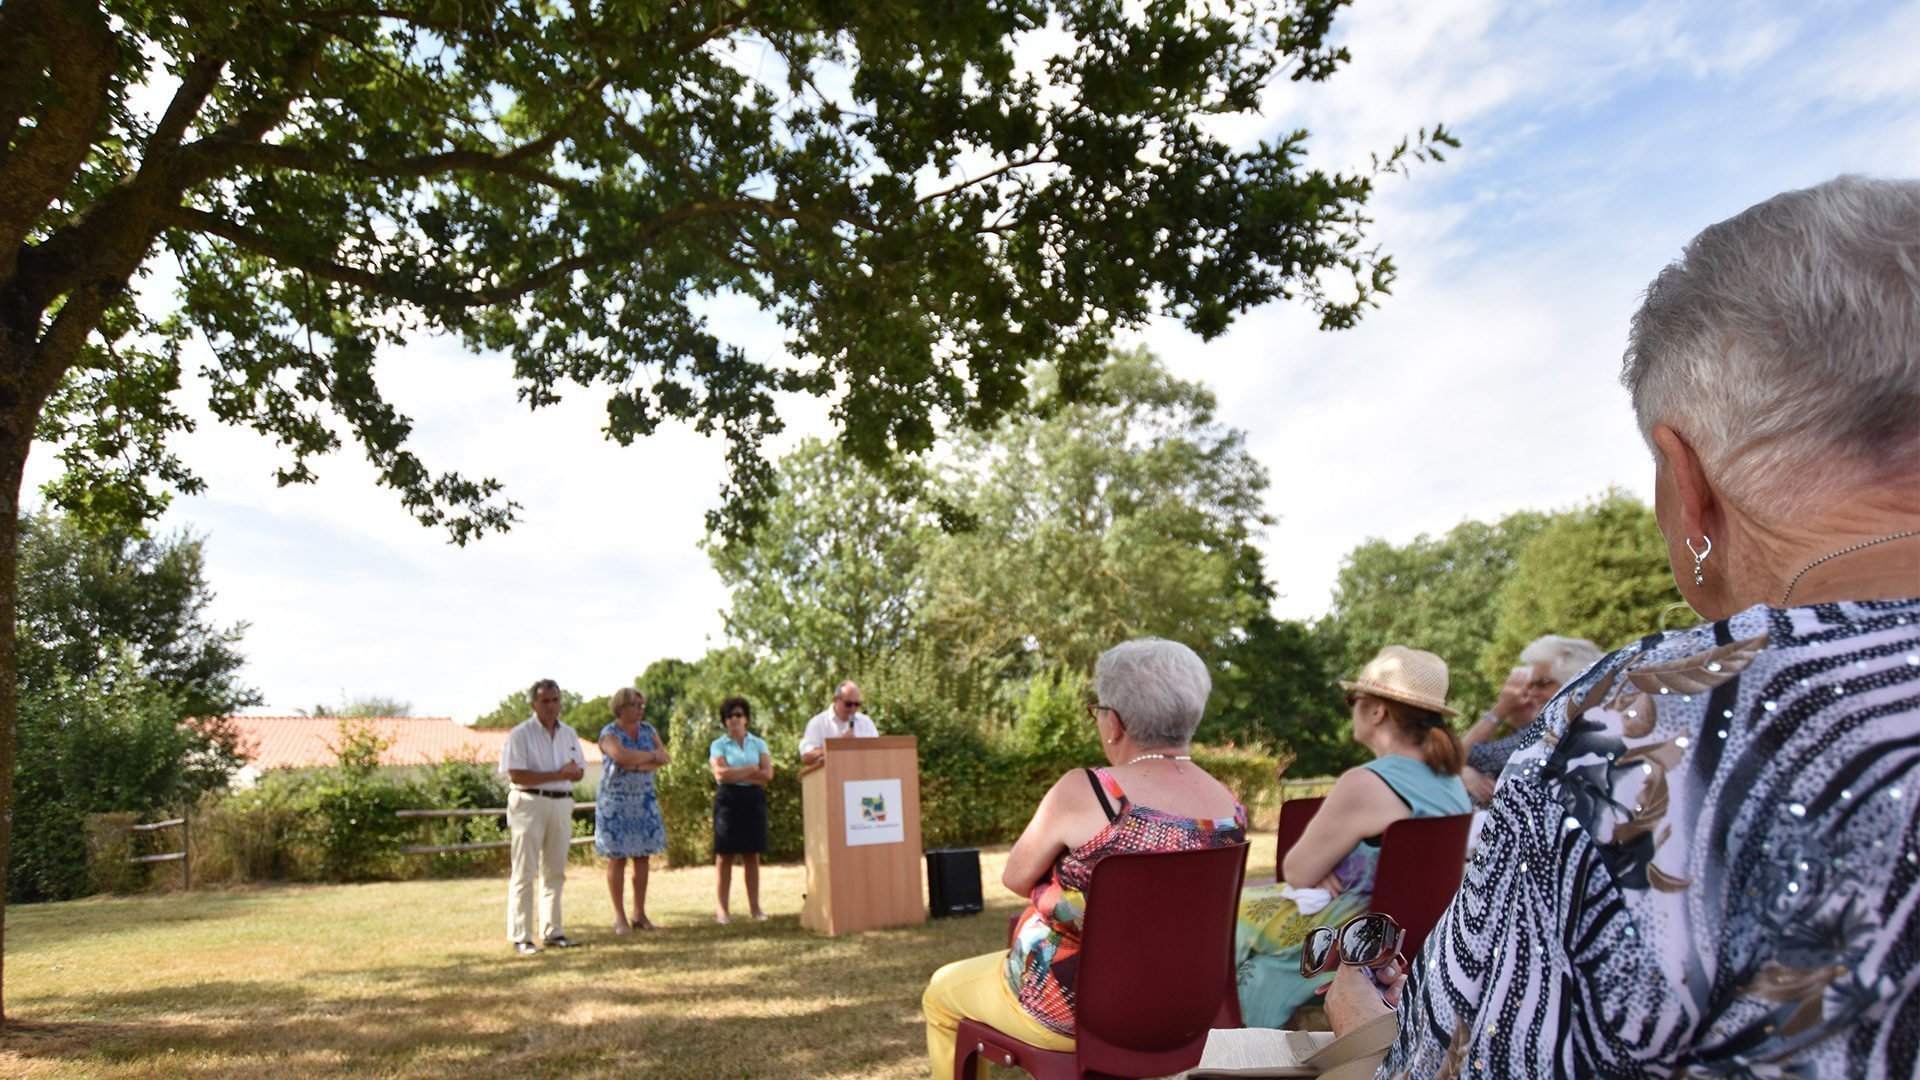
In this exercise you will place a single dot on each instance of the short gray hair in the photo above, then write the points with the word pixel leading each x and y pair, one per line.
pixel 544 684
pixel 1158 687
pixel 623 695
pixel 1785 344
pixel 1565 657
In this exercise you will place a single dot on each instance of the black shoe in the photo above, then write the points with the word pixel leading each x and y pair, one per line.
pixel 561 941
pixel 526 948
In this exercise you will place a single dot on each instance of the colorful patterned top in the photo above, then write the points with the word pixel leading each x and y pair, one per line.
pixel 1709 865
pixel 1046 947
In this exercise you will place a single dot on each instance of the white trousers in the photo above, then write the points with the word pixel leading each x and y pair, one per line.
pixel 542 832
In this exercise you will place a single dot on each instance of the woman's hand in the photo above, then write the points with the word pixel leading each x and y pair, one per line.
pixel 1511 707
pixel 1352 999
pixel 1332 884
pixel 1360 805
pixel 1479 785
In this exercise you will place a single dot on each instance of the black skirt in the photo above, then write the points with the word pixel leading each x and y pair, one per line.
pixel 739 819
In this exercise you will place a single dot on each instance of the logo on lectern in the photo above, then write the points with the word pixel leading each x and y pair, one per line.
pixel 873 808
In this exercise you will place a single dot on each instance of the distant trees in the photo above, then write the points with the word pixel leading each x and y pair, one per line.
pixel 517 706
pixel 1121 510
pixel 1439 593
pixel 1125 511
pixel 1478 594
pixel 364 707
pixel 1597 571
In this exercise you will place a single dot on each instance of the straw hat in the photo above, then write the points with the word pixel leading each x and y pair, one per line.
pixel 1412 676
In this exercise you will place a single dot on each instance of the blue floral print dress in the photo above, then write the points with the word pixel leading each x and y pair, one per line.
pixel 626 821
pixel 1707 865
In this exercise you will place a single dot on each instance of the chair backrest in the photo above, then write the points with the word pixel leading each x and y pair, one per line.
pixel 1421 863
pixel 1294 815
pixel 1156 960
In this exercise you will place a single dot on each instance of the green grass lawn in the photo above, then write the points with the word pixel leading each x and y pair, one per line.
pixel 416 979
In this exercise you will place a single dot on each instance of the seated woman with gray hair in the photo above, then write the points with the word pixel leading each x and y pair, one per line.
pixel 1550 663
pixel 1150 797
pixel 1709 863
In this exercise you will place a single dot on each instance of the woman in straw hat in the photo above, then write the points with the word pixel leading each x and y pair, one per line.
pixel 1399 706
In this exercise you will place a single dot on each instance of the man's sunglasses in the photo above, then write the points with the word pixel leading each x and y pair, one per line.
pixel 1371 940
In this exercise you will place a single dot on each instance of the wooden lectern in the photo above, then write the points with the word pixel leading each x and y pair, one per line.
pixel 862 815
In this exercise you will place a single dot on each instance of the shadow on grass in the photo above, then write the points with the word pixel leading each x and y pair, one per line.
pixel 39 929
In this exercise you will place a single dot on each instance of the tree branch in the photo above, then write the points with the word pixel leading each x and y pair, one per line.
pixel 449 161
pixel 207 157
pixel 201 76
pixel 1037 158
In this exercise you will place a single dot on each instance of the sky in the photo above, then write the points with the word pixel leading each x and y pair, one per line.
pixel 1597 137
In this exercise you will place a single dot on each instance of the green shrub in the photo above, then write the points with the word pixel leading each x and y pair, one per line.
pixel 1051 723
pixel 685 788
pixel 1253 775
pixel 109 843
pixel 112 742
pixel 352 823
pixel 252 835
pixel 457 784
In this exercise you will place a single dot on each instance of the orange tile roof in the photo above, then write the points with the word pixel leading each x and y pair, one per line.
pixel 296 742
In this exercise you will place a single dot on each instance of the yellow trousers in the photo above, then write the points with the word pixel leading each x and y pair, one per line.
pixel 976 989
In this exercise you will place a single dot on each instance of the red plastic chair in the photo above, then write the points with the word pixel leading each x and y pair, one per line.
pixel 1421 863
pixel 1294 815
pixel 1155 971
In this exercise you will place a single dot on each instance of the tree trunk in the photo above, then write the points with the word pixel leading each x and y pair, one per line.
pixel 17 422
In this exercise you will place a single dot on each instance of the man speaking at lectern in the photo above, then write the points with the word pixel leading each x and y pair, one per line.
pixel 842 719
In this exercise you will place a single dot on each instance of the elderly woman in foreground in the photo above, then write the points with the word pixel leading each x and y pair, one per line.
pixel 1710 862
pixel 1151 798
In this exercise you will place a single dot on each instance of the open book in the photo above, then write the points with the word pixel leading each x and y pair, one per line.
pixel 1260 1052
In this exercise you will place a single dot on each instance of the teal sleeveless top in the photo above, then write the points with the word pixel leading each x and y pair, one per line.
pixel 1427 793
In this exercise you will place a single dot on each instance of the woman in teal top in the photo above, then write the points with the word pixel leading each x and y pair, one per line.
pixel 741 768
pixel 1399 712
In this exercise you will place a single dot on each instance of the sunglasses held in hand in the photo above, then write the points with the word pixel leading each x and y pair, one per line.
pixel 1372 940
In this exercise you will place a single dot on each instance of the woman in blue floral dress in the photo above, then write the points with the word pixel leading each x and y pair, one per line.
pixel 626 818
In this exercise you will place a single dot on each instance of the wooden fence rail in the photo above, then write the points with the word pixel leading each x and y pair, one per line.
pixel 181 857
pixel 470 812
pixel 1304 782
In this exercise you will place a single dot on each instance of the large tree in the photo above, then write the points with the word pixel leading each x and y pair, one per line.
pixel 830 588
pixel 929 198
pixel 1128 510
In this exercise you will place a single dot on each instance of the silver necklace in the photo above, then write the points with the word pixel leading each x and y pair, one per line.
pixel 1162 757
pixel 1784 597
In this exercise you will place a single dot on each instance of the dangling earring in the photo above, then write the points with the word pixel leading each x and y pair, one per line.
pixel 1699 577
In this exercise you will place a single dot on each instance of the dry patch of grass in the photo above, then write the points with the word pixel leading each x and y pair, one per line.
pixel 416 979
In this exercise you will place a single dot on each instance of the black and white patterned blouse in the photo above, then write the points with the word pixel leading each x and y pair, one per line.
pixel 1709 865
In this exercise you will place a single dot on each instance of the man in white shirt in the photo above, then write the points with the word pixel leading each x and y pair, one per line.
pixel 841 720
pixel 541 759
